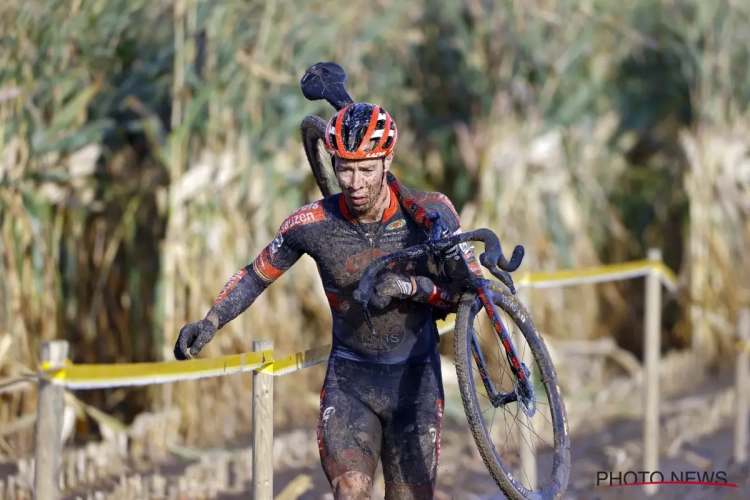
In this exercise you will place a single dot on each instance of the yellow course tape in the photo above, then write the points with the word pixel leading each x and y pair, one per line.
pixel 584 276
pixel 311 357
pixel 132 374
pixel 599 274
pixel 120 375
pixel 297 361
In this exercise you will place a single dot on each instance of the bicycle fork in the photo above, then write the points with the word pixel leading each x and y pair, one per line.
pixel 524 392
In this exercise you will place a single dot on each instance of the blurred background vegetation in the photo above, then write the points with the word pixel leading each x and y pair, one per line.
pixel 149 149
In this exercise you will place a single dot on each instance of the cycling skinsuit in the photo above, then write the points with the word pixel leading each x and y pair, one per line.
pixel 387 384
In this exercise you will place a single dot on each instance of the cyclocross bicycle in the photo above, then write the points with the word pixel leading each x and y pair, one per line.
pixel 327 81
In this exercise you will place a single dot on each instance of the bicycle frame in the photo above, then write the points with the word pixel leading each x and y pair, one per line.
pixel 465 280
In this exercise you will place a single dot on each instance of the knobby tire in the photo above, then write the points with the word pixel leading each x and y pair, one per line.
pixel 313 130
pixel 552 488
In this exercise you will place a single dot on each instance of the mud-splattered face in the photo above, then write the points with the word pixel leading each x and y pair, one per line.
pixel 364 186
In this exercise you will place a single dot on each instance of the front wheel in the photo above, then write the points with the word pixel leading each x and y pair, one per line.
pixel 477 344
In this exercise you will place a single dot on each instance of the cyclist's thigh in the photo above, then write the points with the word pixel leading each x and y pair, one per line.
pixel 349 435
pixel 411 442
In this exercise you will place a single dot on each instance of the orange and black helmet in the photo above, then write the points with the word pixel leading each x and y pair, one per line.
pixel 351 129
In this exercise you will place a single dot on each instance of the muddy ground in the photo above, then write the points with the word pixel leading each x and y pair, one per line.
pixel 463 476
pixel 604 446
pixel 468 479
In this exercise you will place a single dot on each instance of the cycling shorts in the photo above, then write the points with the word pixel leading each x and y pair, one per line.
pixel 393 412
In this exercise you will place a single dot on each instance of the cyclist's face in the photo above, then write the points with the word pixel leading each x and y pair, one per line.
pixel 362 182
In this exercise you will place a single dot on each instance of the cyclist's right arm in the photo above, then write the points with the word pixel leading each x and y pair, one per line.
pixel 237 295
pixel 248 283
pixel 274 260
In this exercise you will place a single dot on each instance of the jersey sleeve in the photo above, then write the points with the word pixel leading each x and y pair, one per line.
pixel 288 245
pixel 438 202
pixel 272 262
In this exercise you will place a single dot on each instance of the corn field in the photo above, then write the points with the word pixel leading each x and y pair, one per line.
pixel 149 149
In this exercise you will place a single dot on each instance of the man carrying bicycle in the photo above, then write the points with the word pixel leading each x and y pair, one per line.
pixel 383 395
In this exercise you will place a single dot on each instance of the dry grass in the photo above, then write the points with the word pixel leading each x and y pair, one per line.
pixel 149 149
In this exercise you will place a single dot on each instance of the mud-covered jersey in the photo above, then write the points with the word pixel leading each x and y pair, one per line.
pixel 342 248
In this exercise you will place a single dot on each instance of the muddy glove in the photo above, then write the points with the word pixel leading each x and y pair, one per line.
pixel 392 284
pixel 389 285
pixel 193 336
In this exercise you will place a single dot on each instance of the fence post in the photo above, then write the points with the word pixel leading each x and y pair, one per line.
pixel 742 370
pixel 651 354
pixel 50 409
pixel 525 442
pixel 262 429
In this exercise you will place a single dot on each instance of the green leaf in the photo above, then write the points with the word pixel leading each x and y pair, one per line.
pixel 62 141
pixel 67 115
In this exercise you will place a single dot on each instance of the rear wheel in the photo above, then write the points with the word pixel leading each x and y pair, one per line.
pixel 551 453
pixel 313 137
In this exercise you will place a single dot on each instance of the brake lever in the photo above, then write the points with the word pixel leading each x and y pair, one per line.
pixel 504 276
pixel 368 318
pixel 506 279
pixel 363 302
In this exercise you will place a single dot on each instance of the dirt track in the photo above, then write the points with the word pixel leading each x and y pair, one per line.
pixel 603 447
pixel 467 479
pixel 613 445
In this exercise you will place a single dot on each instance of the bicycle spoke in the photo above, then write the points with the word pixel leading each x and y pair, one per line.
pixel 519 434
